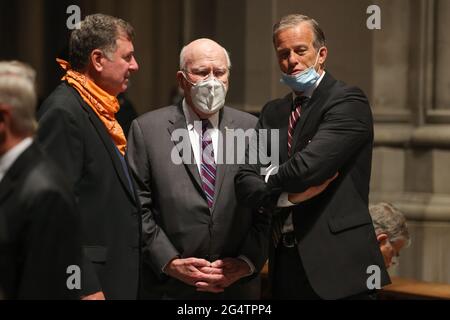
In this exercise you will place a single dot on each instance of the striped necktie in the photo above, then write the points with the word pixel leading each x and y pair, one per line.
pixel 293 120
pixel 208 165
pixel 280 218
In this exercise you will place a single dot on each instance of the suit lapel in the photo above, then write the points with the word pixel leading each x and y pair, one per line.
pixel 284 112
pixel 176 123
pixel 6 186
pixel 109 145
pixel 226 123
pixel 18 168
pixel 314 105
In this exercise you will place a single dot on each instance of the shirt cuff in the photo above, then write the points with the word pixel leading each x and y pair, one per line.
pixel 250 264
pixel 270 170
pixel 283 201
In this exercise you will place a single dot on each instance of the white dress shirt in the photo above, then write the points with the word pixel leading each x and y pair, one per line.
pixel 194 126
pixel 8 159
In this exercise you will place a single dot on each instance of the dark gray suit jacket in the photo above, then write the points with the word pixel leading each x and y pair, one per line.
pixel 40 233
pixel 176 217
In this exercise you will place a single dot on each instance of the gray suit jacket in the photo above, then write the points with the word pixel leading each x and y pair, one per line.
pixel 176 217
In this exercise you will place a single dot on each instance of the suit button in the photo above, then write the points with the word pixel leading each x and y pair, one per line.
pixel 261 210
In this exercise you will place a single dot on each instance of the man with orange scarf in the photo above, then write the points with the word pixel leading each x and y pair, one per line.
pixel 78 129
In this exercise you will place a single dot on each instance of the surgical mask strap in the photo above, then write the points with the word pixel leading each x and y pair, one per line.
pixel 186 77
pixel 317 59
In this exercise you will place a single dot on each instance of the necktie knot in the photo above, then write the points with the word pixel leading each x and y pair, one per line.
pixel 300 101
pixel 205 125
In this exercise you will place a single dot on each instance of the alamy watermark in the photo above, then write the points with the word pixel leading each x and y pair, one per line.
pixel 74 279
pixel 374 20
pixel 237 146
pixel 74 20
pixel 374 280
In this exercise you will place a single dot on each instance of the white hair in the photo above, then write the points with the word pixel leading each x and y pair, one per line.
pixel 183 58
pixel 17 90
pixel 389 220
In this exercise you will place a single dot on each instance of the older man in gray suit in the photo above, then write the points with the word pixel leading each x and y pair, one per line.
pixel 198 241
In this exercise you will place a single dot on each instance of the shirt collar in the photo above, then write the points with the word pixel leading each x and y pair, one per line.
pixel 8 159
pixel 308 93
pixel 191 116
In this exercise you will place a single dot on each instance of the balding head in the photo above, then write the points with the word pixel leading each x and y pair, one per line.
pixel 203 48
pixel 201 60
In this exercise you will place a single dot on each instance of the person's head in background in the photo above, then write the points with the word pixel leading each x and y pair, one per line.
pixel 391 231
pixel 17 104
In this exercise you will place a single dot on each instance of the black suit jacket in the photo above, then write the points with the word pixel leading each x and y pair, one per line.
pixel 176 217
pixel 77 140
pixel 337 241
pixel 39 230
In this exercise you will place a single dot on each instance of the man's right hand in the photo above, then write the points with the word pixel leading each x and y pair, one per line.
pixel 96 296
pixel 193 270
pixel 311 192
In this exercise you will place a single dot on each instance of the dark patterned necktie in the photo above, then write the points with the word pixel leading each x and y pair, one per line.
pixel 282 215
pixel 208 165
pixel 293 120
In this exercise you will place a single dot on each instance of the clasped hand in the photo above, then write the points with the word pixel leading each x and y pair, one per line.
pixel 206 276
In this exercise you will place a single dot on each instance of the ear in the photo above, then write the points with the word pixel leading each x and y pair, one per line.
pixel 97 57
pixel 323 54
pixel 382 237
pixel 181 80
pixel 4 112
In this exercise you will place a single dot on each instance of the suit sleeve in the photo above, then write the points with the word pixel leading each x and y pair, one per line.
pixel 345 128
pixel 60 136
pixel 251 189
pixel 157 248
pixel 52 243
pixel 256 244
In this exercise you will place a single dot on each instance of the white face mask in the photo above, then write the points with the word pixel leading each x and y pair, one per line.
pixel 208 96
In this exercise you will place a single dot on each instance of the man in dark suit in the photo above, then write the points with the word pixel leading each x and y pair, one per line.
pixel 39 227
pixel 322 247
pixel 199 243
pixel 78 129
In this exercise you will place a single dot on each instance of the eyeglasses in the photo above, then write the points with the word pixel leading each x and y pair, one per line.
pixel 203 74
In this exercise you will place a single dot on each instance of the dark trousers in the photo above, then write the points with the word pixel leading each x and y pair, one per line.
pixel 290 281
pixel 289 276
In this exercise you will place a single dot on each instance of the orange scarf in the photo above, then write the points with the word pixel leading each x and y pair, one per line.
pixel 103 104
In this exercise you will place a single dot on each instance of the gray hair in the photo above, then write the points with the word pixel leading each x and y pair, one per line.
pixel 293 20
pixel 183 58
pixel 388 219
pixel 17 90
pixel 97 31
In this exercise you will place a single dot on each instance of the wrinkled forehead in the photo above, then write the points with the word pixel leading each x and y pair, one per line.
pixel 124 43
pixel 300 33
pixel 206 56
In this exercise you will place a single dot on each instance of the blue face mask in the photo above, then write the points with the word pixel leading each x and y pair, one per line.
pixel 300 82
